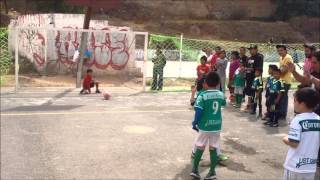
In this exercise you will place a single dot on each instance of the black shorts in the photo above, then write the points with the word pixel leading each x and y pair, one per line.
pixel 248 90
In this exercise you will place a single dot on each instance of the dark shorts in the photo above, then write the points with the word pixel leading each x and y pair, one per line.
pixel 92 84
pixel 248 89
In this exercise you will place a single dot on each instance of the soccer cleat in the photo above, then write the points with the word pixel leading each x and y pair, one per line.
pixel 266 118
pixel 267 123
pixel 223 157
pixel 211 176
pixel 97 91
pixel 195 174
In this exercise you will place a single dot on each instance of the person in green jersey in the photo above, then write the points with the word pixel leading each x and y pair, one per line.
pixel 159 62
pixel 208 121
pixel 257 86
pixel 239 83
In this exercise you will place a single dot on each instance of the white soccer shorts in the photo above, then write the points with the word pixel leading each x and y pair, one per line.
pixel 211 138
pixel 290 175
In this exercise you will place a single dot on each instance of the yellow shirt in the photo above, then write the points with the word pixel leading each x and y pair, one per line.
pixel 284 61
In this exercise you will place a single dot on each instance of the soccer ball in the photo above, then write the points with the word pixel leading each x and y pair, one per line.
pixel 106 95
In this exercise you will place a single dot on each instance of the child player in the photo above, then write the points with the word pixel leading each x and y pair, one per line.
pixel 88 83
pixel 269 81
pixel 238 83
pixel 276 91
pixel 202 70
pixel 208 121
pixel 257 86
pixel 304 137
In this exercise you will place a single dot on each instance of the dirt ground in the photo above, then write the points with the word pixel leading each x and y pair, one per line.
pixel 55 133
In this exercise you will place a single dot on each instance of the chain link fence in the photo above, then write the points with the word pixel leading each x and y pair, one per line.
pixel 183 54
pixel 5 57
pixel 191 49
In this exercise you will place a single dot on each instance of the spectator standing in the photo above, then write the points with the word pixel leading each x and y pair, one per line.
pixel 243 61
pixel 308 50
pixel 221 66
pixel 214 58
pixel 234 64
pixel 255 61
pixel 284 60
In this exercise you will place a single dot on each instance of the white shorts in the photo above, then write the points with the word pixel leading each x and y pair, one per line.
pixel 213 138
pixel 290 175
pixel 238 90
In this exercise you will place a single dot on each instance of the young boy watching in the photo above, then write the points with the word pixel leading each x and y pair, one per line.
pixel 269 81
pixel 276 91
pixel 208 121
pixel 239 83
pixel 88 83
pixel 257 86
pixel 304 137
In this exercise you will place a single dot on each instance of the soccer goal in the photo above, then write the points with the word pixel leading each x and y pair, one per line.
pixel 47 56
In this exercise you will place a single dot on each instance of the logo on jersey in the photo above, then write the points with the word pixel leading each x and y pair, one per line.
pixel 305 161
pixel 310 125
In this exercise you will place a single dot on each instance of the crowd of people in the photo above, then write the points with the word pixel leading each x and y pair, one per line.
pixel 245 80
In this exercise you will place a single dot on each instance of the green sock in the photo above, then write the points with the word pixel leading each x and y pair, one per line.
pixel 214 160
pixel 240 99
pixel 197 158
pixel 237 99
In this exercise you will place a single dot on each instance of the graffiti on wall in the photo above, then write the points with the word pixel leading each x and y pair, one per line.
pixel 108 49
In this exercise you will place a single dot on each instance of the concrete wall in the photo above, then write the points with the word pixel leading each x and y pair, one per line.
pixel 112 52
pixel 188 69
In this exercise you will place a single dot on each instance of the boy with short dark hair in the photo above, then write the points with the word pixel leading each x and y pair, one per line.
pixel 257 87
pixel 208 121
pixel 88 83
pixel 276 91
pixel 304 137
pixel 269 81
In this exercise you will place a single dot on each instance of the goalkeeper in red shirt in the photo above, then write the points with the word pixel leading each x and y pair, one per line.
pixel 88 83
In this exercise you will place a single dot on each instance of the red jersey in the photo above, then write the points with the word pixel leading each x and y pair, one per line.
pixel 202 69
pixel 86 81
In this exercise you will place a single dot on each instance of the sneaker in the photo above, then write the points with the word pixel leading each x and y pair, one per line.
pixel 252 112
pixel 211 176
pixel 274 125
pixel 223 157
pixel 195 174
pixel 97 91
pixel 266 118
pixel 267 123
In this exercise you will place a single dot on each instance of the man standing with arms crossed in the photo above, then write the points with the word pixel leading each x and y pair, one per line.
pixel 285 59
